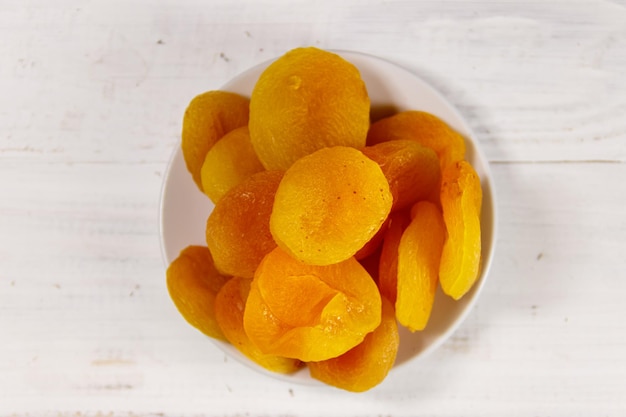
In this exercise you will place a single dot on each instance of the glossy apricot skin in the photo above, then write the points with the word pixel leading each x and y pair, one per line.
pixel 208 117
pixel 424 128
pixel 329 205
pixel 192 283
pixel 411 169
pixel 366 365
pixel 419 255
pixel 237 230
pixel 461 200
pixel 228 163
pixel 306 100
pixel 230 303
pixel 310 312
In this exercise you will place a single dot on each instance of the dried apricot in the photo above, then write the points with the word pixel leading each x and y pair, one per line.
pixel 230 161
pixel 367 364
pixel 229 309
pixel 237 231
pixel 306 100
pixel 424 128
pixel 411 169
pixel 310 312
pixel 329 204
pixel 208 117
pixel 388 264
pixel 193 282
pixel 419 254
pixel 461 200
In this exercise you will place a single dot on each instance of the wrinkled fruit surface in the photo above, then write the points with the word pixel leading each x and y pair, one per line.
pixel 309 312
pixel 306 100
pixel 411 169
pixel 229 308
pixel 329 205
pixel 228 163
pixel 238 232
pixel 367 364
pixel 208 117
pixel 193 282
pixel 388 265
pixel 461 200
pixel 419 254
pixel 326 233
pixel 424 128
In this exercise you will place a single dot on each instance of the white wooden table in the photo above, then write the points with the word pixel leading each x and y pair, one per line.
pixel 91 100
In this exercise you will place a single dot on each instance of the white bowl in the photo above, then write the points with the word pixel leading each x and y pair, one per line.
pixel 184 209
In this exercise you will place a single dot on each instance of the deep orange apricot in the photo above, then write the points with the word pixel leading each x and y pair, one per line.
pixel 230 161
pixel 367 364
pixel 388 265
pixel 461 200
pixel 208 117
pixel 424 128
pixel 192 283
pixel 306 100
pixel 237 231
pixel 411 169
pixel 310 312
pixel 419 254
pixel 329 204
pixel 230 303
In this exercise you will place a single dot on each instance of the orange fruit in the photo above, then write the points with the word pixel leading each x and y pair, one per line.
pixel 238 229
pixel 419 254
pixel 306 100
pixel 193 282
pixel 367 364
pixel 310 312
pixel 329 205
pixel 424 128
pixel 230 303
pixel 333 228
pixel 230 161
pixel 461 200
pixel 388 263
pixel 208 117
pixel 412 170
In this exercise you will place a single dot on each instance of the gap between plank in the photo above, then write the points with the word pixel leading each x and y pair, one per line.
pixel 557 161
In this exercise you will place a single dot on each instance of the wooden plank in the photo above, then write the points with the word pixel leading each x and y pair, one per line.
pixel 90 111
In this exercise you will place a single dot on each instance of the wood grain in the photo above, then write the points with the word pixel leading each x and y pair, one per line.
pixel 90 111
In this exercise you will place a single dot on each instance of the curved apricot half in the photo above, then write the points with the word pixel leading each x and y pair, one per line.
pixel 192 283
pixel 411 169
pixel 367 364
pixel 388 264
pixel 229 309
pixel 329 205
pixel 228 163
pixel 461 200
pixel 424 128
pixel 208 117
pixel 306 100
pixel 238 230
pixel 419 254
pixel 310 312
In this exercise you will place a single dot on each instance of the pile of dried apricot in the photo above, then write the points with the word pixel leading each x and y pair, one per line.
pixel 308 195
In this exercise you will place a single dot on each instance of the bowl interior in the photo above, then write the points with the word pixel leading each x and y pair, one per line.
pixel 184 209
